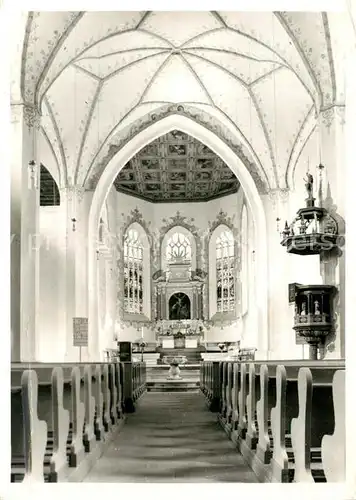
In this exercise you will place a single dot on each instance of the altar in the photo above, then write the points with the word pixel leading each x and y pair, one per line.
pixel 179 342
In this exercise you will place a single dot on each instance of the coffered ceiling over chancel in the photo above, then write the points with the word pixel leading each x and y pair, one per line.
pixel 176 168
pixel 261 74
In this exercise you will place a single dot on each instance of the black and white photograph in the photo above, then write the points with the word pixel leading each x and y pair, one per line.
pixel 180 296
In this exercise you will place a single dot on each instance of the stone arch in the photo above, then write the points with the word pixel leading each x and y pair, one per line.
pixel 229 156
pixel 121 137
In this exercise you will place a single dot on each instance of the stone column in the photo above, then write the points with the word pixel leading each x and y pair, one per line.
pixel 200 304
pixel 281 341
pixel 194 311
pixel 164 311
pixel 24 232
pixel 159 311
pixel 76 267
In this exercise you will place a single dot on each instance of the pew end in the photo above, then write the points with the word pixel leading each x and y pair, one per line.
pixel 333 446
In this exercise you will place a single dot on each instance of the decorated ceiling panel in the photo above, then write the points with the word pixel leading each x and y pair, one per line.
pixel 176 168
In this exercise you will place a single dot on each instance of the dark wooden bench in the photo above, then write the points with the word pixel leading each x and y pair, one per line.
pixel 72 406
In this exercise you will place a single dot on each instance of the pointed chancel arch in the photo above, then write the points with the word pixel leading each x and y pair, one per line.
pixel 202 134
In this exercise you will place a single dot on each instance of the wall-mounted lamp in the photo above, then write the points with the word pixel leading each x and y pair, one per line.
pixel 74 220
pixel 97 255
pixel 278 220
pixel 32 181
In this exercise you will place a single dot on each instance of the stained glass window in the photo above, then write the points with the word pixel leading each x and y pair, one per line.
pixel 133 272
pixel 225 272
pixel 178 248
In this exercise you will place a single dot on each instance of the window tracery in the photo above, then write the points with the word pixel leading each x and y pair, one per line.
pixel 178 248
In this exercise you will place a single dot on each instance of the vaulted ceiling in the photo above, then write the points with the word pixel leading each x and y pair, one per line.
pixel 176 168
pixel 95 75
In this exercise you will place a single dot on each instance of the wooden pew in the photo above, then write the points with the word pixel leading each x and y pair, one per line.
pixel 60 427
pixel 77 418
pixel 70 421
pixel 333 446
pixel 34 430
pixel 266 442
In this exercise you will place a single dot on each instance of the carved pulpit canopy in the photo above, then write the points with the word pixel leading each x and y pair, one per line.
pixel 313 230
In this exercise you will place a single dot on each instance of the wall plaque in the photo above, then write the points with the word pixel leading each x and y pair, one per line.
pixel 80 332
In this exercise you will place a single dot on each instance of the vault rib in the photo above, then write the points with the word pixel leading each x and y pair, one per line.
pixel 199 81
pixel 150 83
pixel 302 127
pixel 60 143
pixel 86 129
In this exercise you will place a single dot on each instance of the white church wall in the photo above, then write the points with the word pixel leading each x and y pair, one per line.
pixel 225 333
pixel 52 304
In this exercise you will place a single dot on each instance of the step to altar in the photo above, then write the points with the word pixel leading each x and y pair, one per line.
pixel 183 385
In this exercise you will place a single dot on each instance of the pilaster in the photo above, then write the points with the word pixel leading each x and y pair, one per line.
pixel 281 341
pixel 332 266
pixel 24 232
pixel 75 200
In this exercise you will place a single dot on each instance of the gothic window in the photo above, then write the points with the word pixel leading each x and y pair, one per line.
pixel 225 272
pixel 178 248
pixel 49 193
pixel 133 272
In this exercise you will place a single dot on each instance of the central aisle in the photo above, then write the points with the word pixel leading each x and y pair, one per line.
pixel 172 437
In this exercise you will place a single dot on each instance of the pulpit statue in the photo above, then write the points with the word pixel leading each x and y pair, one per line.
pixel 309 181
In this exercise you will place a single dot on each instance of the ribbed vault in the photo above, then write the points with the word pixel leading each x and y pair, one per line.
pixel 261 75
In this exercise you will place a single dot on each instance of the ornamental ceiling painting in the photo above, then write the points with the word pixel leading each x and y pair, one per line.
pixel 262 75
pixel 176 168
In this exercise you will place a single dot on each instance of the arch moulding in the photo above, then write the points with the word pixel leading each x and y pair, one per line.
pixel 216 144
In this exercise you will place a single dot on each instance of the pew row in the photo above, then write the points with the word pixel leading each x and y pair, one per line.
pixel 64 416
pixel 285 419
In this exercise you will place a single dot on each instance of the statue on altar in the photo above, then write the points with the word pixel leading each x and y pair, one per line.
pixel 309 181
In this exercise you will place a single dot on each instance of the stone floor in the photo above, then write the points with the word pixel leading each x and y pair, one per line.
pixel 172 437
